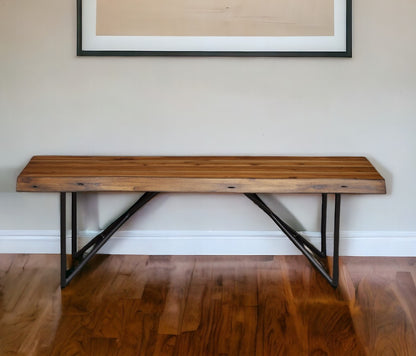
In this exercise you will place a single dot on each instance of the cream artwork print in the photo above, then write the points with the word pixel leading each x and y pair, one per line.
pixel 215 18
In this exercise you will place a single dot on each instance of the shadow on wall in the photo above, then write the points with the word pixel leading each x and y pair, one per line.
pixel 88 211
pixel 8 177
pixel 283 212
pixel 386 174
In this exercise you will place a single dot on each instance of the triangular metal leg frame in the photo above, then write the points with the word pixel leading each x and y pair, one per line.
pixel 82 256
pixel 315 256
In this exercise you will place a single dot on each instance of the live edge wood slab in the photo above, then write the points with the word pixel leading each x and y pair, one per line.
pixel 223 174
pixel 248 175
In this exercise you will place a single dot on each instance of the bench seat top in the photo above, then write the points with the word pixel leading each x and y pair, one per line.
pixel 205 174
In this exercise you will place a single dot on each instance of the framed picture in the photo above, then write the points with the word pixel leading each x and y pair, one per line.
pixel 287 28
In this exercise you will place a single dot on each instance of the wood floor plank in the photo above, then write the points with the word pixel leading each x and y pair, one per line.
pixel 27 311
pixel 407 295
pixel 277 329
pixel 130 336
pixel 165 345
pixel 197 289
pixel 383 322
pixel 245 307
pixel 209 337
pixel 170 322
pixel 207 305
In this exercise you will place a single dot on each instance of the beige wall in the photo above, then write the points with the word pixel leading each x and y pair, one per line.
pixel 52 102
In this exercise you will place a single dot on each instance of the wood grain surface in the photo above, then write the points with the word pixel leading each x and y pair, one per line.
pixel 236 174
pixel 215 18
pixel 207 305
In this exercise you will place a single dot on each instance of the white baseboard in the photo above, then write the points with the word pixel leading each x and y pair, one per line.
pixel 358 243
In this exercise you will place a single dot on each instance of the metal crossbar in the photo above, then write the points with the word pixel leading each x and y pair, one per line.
pixel 315 256
pixel 82 256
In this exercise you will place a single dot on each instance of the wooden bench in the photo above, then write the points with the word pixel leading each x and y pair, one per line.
pixel 247 175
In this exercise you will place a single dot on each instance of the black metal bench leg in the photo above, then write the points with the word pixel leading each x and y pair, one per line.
pixel 323 223
pixel 315 256
pixel 335 267
pixel 83 255
pixel 74 236
pixel 74 226
pixel 63 240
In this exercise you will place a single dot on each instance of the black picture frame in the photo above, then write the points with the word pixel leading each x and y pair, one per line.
pixel 345 52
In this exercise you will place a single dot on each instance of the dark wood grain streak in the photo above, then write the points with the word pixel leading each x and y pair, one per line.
pixel 207 305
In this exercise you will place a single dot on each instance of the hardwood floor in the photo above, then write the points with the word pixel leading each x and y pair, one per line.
pixel 209 305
